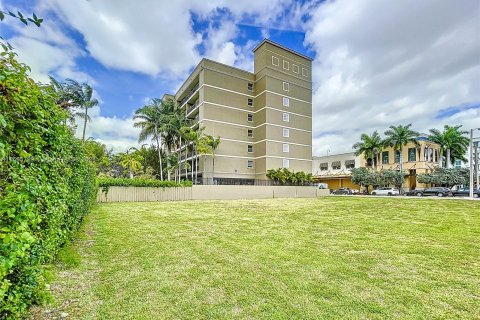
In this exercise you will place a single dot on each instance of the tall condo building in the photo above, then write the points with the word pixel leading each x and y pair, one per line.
pixel 264 118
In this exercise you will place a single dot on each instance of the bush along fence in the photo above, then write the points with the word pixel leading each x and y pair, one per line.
pixel 46 185
pixel 141 190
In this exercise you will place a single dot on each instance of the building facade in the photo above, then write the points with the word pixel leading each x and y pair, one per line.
pixel 336 170
pixel 263 119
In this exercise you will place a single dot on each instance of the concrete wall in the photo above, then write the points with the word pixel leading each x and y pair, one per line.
pixel 206 192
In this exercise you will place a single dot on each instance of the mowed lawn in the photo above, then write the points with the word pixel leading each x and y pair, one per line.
pixel 334 257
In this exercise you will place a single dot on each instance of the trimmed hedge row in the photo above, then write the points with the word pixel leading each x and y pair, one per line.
pixel 46 185
pixel 125 182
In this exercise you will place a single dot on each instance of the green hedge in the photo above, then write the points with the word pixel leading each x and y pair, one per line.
pixel 124 182
pixel 46 185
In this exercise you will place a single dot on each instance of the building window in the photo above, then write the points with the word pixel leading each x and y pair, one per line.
pixel 286 86
pixel 349 164
pixel 286 117
pixel 286 102
pixel 430 151
pixel 324 166
pixel 286 65
pixel 250 102
pixel 385 159
pixel 295 68
pixel 336 165
pixel 286 163
pixel 275 61
pixel 412 154
pixel 250 86
pixel 458 164
pixel 250 133
pixel 286 132
pixel 249 148
pixel 304 72
pixel 397 156
pixel 425 153
pixel 250 117
pixel 286 147
pixel 436 155
pixel 250 164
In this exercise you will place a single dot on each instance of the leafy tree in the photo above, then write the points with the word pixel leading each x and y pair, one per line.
pixel 132 162
pixel 452 141
pixel 445 177
pixel 369 146
pixel 393 178
pixel 98 155
pixel 398 137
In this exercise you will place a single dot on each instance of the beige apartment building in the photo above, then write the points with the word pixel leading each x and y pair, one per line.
pixel 264 118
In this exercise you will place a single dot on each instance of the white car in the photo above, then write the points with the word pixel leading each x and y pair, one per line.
pixel 385 192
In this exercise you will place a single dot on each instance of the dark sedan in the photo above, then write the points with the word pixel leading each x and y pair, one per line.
pixel 435 191
pixel 343 191
pixel 465 192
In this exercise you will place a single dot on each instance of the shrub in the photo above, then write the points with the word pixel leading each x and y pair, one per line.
pixel 125 182
pixel 46 185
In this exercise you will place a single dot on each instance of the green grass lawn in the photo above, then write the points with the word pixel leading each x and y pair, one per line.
pixel 341 258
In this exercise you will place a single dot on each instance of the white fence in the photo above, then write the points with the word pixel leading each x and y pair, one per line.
pixel 206 192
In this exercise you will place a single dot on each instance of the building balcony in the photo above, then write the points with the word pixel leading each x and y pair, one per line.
pixel 189 95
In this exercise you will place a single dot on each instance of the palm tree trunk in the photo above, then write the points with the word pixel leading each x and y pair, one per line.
pixel 85 124
pixel 449 163
pixel 196 166
pixel 159 153
pixel 401 161
pixel 213 169
pixel 168 165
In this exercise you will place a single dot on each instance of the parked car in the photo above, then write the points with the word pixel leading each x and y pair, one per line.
pixel 465 192
pixel 343 191
pixel 434 191
pixel 385 192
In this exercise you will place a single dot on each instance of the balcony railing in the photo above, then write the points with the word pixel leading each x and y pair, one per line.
pixel 189 94
pixel 193 106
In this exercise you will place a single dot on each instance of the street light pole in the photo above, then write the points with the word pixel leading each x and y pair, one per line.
pixel 472 177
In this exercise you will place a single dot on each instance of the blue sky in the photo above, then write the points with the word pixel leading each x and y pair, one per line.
pixel 375 63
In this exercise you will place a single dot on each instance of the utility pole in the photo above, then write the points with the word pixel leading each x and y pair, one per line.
pixel 471 162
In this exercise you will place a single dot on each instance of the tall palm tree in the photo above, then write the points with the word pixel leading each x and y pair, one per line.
pixel 204 149
pixel 370 146
pixel 149 120
pixel 213 144
pixel 83 98
pixel 399 136
pixel 68 98
pixel 452 141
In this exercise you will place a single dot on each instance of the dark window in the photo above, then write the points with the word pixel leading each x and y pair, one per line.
pixel 385 159
pixel 250 148
pixel 431 154
pixel 349 164
pixel 336 165
pixel 250 102
pixel 250 133
pixel 324 166
pixel 250 117
pixel 412 154
pixel 250 86
pixel 397 156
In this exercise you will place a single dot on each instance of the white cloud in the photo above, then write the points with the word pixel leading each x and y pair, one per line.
pixel 116 133
pixel 381 63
